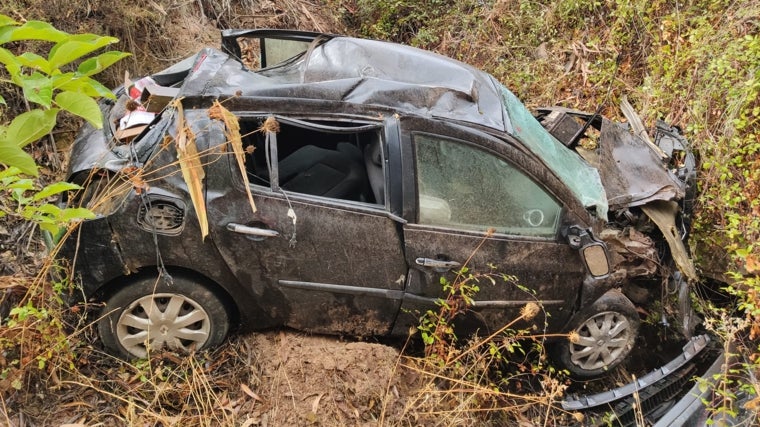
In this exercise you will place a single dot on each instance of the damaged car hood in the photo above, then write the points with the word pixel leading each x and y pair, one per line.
pixel 632 173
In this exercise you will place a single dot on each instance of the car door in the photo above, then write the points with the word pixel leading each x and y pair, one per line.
pixel 472 201
pixel 322 252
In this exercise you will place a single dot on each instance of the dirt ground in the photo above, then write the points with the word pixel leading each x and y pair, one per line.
pixel 318 380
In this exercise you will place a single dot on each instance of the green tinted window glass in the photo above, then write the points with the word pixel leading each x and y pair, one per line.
pixel 582 179
pixel 466 188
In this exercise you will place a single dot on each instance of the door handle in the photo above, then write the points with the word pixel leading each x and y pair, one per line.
pixel 252 231
pixel 437 263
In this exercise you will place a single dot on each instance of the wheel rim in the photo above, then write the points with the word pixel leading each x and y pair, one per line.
pixel 163 320
pixel 603 340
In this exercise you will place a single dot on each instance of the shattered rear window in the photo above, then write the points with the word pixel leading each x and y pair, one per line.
pixel 582 179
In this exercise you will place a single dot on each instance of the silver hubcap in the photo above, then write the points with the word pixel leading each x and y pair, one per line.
pixel 163 320
pixel 603 340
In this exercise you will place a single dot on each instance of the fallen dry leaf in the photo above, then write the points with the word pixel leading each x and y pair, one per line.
pixel 192 169
pixel 250 393
pixel 232 132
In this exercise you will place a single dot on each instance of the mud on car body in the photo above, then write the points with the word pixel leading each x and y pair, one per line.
pixel 373 170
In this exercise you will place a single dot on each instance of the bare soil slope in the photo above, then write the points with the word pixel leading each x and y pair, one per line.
pixel 324 381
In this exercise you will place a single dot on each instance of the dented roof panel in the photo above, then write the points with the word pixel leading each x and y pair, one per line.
pixel 359 71
pixel 370 72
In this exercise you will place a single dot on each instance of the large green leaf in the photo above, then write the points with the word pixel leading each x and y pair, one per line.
pixel 23 184
pixel 69 214
pixel 10 61
pixel 99 63
pixel 32 30
pixel 86 86
pixel 75 47
pixel 55 188
pixel 38 88
pixel 12 155
pixel 6 20
pixel 10 174
pixel 81 105
pixel 31 126
pixel 35 62
pixel 59 80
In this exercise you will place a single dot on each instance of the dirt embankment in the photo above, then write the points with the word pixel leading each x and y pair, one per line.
pixel 326 381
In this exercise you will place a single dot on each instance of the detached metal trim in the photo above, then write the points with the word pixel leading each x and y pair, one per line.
pixel 691 349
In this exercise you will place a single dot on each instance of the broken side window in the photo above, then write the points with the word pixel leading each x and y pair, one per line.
pixel 328 159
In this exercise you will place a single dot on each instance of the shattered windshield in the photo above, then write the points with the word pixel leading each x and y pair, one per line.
pixel 582 179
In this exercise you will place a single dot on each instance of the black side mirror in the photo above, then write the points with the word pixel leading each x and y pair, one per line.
pixel 593 251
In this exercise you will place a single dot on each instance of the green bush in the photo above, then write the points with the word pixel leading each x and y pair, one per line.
pixel 49 83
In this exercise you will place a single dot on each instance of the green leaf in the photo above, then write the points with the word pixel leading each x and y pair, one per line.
pixel 62 79
pixel 38 88
pixel 30 126
pixel 55 188
pixel 12 155
pixel 81 105
pixel 32 30
pixel 70 214
pixel 6 20
pixel 99 63
pixel 48 209
pixel 35 62
pixel 48 226
pixel 75 47
pixel 10 173
pixel 87 86
pixel 10 61
pixel 21 184
pixel 2 102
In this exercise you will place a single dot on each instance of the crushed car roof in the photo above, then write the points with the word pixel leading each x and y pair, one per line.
pixel 361 71
pixel 392 76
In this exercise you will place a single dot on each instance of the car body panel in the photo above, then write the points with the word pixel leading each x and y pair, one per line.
pixel 548 270
pixel 330 258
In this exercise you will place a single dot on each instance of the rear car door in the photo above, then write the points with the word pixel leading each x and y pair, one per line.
pixel 322 253
pixel 473 201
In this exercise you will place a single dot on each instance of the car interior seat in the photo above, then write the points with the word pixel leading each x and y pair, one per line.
pixel 373 160
pixel 322 172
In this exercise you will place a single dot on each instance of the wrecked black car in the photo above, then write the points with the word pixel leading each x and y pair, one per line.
pixel 328 183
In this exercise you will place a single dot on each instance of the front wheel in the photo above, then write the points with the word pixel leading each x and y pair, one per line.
pixel 602 340
pixel 150 314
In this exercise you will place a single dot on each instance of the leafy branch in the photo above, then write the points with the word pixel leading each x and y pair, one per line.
pixel 48 85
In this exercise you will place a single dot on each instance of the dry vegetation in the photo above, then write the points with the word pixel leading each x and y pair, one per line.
pixel 696 64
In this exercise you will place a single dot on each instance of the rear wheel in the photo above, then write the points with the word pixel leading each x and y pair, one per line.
pixel 151 314
pixel 602 340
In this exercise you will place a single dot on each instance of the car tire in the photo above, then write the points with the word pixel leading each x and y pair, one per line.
pixel 603 338
pixel 152 314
